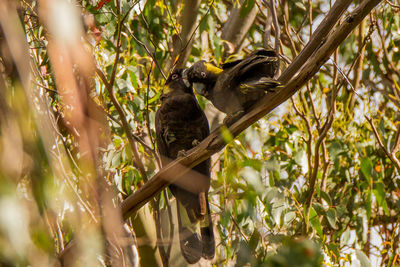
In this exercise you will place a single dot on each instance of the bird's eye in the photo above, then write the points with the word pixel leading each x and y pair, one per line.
pixel 174 76
pixel 203 74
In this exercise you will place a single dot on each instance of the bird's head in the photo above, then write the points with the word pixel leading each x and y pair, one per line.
pixel 202 73
pixel 177 80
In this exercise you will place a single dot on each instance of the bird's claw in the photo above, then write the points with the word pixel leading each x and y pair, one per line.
pixel 195 142
pixel 181 153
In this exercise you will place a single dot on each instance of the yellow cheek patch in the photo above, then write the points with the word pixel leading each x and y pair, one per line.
pixel 211 68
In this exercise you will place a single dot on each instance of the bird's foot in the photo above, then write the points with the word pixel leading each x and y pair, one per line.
pixel 181 153
pixel 195 142
pixel 232 118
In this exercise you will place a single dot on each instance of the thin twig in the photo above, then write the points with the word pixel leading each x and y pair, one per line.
pixel 272 8
pixel 392 5
pixel 390 155
pixel 173 22
pixel 146 48
pixel 147 106
pixel 316 39
pixel 322 134
pixel 137 138
pixel 194 32
pixel 109 86
pixel 267 27
pixel 396 144
pixel 309 131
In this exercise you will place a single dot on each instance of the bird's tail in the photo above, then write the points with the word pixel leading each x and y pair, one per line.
pixel 189 239
pixel 193 246
pixel 207 235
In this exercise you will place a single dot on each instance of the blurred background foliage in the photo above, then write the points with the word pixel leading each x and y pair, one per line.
pixel 69 157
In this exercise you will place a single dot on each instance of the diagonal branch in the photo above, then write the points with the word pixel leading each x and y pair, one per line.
pixel 214 142
pixel 391 155
pixel 125 125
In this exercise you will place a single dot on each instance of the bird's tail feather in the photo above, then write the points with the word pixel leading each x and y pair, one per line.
pixel 189 239
pixel 193 247
pixel 207 235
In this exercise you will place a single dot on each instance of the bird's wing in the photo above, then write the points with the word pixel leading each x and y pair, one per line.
pixel 264 84
pixel 263 53
pixel 230 64
pixel 257 65
pixel 161 142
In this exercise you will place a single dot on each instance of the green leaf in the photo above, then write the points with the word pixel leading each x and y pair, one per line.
pixel 315 223
pixel 331 216
pixel 300 157
pixel 278 207
pixel 362 225
pixel 118 182
pixel 226 134
pixel 319 209
pixel 254 163
pixel 273 165
pixel 379 193
pixel 326 197
pixel 345 237
pixel 364 261
pixel 289 217
pixel 246 7
pixel 254 239
pixel 366 168
pixel 116 160
pixel 335 149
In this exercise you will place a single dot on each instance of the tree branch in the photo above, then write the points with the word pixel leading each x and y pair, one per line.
pixel 125 124
pixel 391 155
pixel 214 142
pixel 316 40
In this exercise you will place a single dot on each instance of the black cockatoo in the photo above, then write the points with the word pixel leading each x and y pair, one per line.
pixel 237 85
pixel 180 125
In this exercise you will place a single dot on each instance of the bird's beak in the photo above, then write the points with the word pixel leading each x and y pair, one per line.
pixel 185 78
pixel 199 87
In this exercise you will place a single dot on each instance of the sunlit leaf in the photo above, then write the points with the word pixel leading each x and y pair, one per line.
pixel 364 261
pixel 314 221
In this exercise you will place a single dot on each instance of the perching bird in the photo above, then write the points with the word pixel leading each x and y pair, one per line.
pixel 238 85
pixel 180 125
